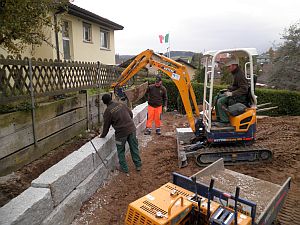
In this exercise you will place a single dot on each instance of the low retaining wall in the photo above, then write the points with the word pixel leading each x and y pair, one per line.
pixel 55 123
pixel 56 196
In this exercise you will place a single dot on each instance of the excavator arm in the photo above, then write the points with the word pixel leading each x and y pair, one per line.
pixel 176 71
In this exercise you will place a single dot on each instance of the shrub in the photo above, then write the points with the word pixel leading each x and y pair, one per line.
pixel 288 102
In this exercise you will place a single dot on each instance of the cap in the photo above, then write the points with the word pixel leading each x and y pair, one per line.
pixel 232 61
pixel 158 79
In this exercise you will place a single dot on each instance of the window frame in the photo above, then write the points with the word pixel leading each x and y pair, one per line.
pixel 87 26
pixel 66 38
pixel 107 42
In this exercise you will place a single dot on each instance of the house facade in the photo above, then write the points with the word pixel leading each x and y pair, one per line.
pixel 85 36
pixel 189 67
pixel 264 58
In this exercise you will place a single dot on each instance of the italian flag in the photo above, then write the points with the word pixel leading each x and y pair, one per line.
pixel 164 39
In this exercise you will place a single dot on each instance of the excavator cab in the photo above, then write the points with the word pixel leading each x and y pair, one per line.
pixel 242 115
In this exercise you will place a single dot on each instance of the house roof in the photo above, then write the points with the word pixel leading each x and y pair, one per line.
pixel 185 62
pixel 87 15
pixel 127 62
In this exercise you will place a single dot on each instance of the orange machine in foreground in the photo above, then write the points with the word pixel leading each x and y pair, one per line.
pixel 171 204
pixel 210 197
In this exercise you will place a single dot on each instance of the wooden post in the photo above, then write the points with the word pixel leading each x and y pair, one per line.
pixel 32 102
pixel 99 86
pixel 87 110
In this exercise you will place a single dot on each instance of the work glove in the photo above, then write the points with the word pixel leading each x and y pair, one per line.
pixel 228 93
pixel 165 109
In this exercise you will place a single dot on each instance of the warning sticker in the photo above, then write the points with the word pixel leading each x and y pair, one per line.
pixel 150 197
pixel 175 76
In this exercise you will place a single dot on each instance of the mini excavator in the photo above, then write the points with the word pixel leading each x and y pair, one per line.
pixel 233 143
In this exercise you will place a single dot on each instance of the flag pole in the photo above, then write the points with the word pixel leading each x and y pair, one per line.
pixel 169 46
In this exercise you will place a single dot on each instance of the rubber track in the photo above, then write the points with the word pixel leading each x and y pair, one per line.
pixel 232 150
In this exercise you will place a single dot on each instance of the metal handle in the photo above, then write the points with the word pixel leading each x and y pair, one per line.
pixel 170 207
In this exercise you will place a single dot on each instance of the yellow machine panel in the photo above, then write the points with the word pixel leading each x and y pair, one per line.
pixel 159 207
pixel 170 204
pixel 244 121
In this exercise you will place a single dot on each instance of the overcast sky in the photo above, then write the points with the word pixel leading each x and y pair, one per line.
pixel 196 25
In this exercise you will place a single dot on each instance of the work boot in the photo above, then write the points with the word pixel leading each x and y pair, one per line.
pixel 158 132
pixel 147 131
pixel 126 172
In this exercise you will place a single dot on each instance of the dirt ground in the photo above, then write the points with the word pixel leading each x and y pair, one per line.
pixel 159 155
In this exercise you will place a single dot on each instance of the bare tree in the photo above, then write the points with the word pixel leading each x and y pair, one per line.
pixel 286 70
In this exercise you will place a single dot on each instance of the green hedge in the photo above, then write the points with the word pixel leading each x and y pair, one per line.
pixel 288 102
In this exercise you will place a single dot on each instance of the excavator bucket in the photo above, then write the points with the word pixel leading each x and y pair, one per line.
pixel 136 93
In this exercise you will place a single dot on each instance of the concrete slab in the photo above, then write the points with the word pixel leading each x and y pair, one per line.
pixel 184 134
pixel 31 207
pixel 64 176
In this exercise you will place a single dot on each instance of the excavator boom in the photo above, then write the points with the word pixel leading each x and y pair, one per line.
pixel 176 71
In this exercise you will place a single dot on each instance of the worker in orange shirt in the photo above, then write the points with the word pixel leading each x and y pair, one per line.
pixel 157 101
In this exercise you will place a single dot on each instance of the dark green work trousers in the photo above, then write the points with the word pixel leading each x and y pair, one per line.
pixel 134 151
pixel 221 100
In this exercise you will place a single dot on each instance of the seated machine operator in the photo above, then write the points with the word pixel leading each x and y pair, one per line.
pixel 236 93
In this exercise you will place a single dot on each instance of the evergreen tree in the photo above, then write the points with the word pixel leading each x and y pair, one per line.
pixel 22 22
pixel 196 59
pixel 200 74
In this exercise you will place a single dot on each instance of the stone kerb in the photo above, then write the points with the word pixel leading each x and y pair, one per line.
pixel 141 110
pixel 64 176
pixel 29 208
pixel 141 127
pixel 89 186
pixel 65 212
pixel 136 117
pixel 103 147
pixel 57 194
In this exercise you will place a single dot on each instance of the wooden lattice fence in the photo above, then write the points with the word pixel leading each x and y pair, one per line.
pixel 48 77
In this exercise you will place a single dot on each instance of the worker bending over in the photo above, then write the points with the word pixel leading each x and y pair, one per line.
pixel 120 117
